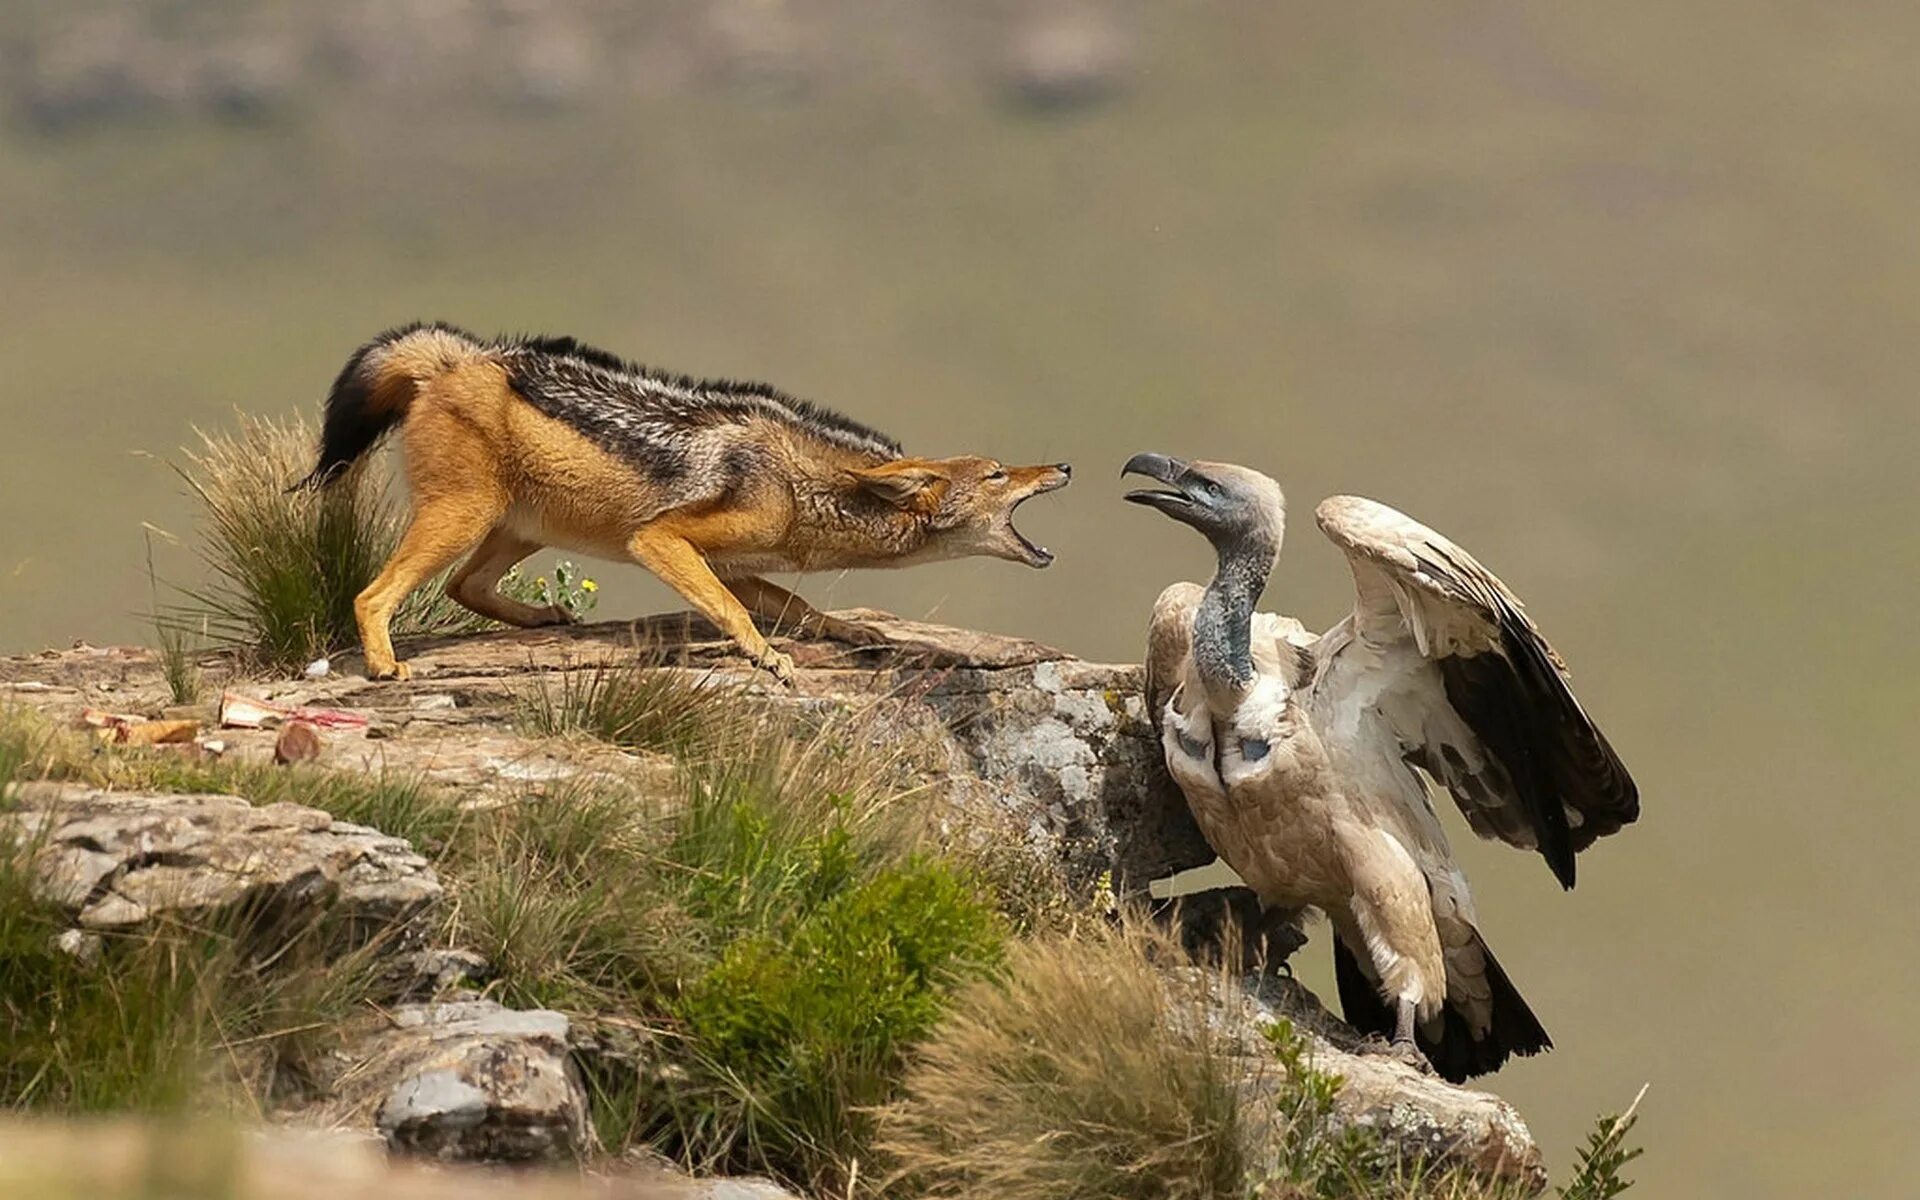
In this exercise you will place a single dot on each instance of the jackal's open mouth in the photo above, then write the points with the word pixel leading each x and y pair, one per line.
pixel 1044 480
pixel 1036 554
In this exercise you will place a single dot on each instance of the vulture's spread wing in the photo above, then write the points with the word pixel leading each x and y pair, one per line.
pixel 1441 651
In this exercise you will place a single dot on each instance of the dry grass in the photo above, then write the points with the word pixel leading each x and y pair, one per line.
pixel 283 567
pixel 1073 1077
pixel 640 702
pixel 1088 1071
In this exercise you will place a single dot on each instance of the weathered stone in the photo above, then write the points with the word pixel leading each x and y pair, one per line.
pixel 471 1081
pixel 298 742
pixel 1418 1116
pixel 116 860
pixel 435 972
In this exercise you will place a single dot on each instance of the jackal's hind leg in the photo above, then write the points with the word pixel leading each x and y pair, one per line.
pixel 438 534
pixel 790 612
pixel 476 585
pixel 680 565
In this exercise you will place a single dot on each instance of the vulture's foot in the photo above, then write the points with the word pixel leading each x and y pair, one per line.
pixel 1408 1054
pixel 1404 1052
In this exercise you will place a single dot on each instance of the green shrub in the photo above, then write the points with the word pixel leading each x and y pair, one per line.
pixel 798 1033
pixel 1606 1154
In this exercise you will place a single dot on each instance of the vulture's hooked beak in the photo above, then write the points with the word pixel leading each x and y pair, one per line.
pixel 1188 498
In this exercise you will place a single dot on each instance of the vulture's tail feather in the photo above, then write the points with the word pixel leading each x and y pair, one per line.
pixel 1456 1054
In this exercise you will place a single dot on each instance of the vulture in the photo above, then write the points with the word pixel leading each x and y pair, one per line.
pixel 1306 760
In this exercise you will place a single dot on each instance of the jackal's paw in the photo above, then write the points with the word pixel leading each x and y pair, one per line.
pixel 553 614
pixel 779 665
pixel 853 633
pixel 396 671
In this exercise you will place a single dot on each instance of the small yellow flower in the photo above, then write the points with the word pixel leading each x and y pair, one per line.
pixel 540 580
pixel 588 585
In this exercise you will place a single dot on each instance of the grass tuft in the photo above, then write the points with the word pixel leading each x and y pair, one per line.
pixel 640 703
pixel 176 641
pixel 162 1017
pixel 1071 1077
pixel 560 895
pixel 284 566
pixel 179 651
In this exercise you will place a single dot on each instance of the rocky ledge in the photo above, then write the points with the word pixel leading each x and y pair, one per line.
pixel 1017 735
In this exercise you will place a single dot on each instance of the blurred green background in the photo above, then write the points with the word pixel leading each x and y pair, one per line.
pixel 1623 297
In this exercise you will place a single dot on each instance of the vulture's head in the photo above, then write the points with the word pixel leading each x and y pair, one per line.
pixel 1236 508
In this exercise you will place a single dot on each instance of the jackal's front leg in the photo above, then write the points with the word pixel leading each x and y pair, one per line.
pixel 439 533
pixel 681 567
pixel 786 610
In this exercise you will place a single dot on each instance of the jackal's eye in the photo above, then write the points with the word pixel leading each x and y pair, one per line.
pixel 997 475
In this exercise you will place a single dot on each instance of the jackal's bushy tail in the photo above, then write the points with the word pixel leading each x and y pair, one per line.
pixel 373 390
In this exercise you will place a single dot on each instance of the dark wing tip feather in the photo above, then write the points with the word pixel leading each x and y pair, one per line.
pixel 1486 691
pixel 1518 703
pixel 1591 779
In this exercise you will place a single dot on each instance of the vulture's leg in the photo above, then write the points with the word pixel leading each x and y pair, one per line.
pixel 1404 1047
pixel 1392 909
pixel 1403 1028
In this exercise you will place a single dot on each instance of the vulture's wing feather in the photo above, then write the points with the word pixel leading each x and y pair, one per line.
pixel 1169 645
pixel 1472 690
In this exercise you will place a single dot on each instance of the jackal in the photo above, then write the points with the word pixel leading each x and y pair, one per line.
pixel 518 443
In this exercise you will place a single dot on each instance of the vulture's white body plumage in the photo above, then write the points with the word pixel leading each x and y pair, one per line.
pixel 1306 759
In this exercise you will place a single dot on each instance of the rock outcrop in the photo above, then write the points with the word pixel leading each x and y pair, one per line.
pixel 116 861
pixel 1417 1115
pixel 1019 736
pixel 471 1081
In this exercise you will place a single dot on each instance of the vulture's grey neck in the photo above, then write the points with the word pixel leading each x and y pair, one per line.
pixel 1223 624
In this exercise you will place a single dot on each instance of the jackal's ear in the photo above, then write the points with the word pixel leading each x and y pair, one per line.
pixel 904 484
